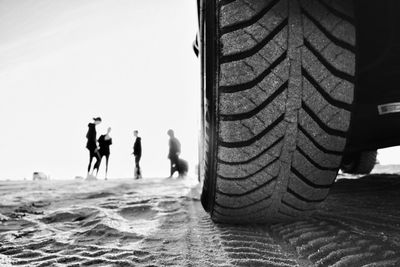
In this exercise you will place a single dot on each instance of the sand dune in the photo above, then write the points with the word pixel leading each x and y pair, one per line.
pixel 158 222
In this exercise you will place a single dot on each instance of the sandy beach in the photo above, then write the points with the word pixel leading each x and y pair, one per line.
pixel 160 222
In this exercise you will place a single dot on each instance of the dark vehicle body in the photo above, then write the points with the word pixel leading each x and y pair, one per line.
pixel 378 73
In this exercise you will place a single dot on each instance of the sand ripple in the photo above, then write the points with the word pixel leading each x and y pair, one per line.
pixel 123 223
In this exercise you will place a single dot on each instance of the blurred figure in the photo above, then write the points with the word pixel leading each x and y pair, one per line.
pixel 91 145
pixel 137 152
pixel 105 141
pixel 174 152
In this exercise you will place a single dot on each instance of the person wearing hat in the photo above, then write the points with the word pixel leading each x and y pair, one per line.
pixel 91 145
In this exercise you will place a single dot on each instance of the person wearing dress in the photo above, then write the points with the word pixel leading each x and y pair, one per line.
pixel 105 141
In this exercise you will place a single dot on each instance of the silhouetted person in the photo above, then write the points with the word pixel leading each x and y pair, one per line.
pixel 137 152
pixel 91 144
pixel 174 152
pixel 105 141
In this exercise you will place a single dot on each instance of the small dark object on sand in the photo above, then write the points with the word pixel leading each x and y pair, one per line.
pixel 183 167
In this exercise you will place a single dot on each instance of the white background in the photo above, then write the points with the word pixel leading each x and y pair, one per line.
pixel 62 62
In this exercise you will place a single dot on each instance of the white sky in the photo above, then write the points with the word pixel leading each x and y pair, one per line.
pixel 63 62
pixel 129 61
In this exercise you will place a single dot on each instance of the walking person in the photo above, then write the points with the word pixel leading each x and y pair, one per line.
pixel 137 152
pixel 105 141
pixel 91 145
pixel 174 152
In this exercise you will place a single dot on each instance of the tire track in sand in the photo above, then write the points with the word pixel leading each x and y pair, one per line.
pixel 190 238
pixel 358 225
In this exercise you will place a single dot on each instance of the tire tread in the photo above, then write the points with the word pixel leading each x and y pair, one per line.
pixel 255 137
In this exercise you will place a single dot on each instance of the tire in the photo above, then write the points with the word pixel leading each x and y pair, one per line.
pixel 359 163
pixel 278 82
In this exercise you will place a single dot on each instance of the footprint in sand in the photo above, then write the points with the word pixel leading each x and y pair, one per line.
pixel 75 215
pixel 169 206
pixel 112 205
pixel 99 195
pixel 40 204
pixel 142 212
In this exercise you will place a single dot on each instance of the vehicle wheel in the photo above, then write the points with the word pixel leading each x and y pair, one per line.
pixel 359 163
pixel 278 93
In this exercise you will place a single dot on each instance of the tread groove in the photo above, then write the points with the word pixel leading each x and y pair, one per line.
pixel 319 146
pixel 253 139
pixel 325 95
pixel 317 165
pixel 251 113
pixel 296 195
pixel 337 13
pixel 338 73
pixel 252 51
pixel 244 206
pixel 250 191
pixel 291 206
pixel 253 158
pixel 255 81
pixel 329 35
pixel 308 182
pixel 320 123
pixel 250 175
pixel 250 21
